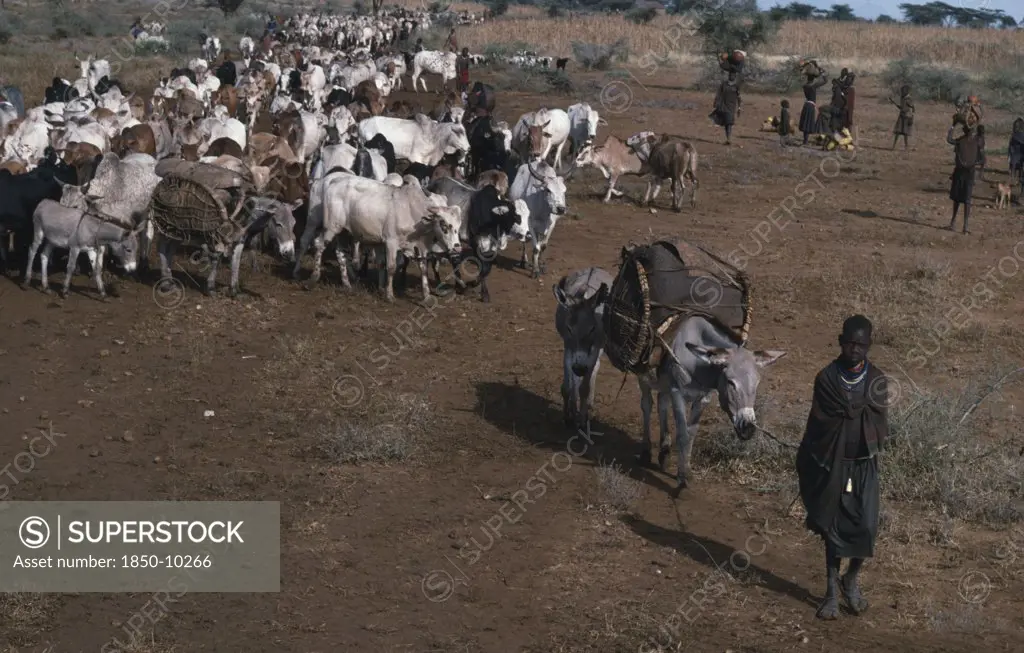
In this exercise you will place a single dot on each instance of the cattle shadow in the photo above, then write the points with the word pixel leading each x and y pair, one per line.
pixel 524 414
pixel 877 216
pixel 716 555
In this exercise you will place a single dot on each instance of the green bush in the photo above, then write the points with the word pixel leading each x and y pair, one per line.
pixel 926 83
pixel 554 11
pixel 69 24
pixel 642 16
pixel 499 8
pixel 184 36
pixel 599 56
pixel 729 29
pixel 1005 89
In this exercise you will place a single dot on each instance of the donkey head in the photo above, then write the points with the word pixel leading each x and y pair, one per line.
pixel 738 378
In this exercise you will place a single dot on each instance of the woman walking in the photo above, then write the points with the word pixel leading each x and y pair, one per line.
pixel 727 105
pixel 837 463
pixel 809 114
pixel 850 94
pixel 905 121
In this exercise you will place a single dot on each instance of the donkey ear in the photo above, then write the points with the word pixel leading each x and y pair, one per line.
pixel 559 294
pixel 718 356
pixel 765 357
pixel 602 294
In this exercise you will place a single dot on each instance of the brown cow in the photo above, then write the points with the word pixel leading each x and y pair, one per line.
pixel 263 146
pixel 401 109
pixel 495 178
pixel 137 105
pixel 227 96
pixel 13 167
pixel 99 114
pixel 83 158
pixel 288 179
pixel 669 158
pixel 137 139
pixel 367 94
pixel 223 146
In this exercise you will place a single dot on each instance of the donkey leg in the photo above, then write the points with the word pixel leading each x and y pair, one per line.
pixel 646 404
pixel 664 445
pixel 588 389
pixel 568 406
pixel 683 439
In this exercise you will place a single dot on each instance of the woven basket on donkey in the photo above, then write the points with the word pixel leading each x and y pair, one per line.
pixel 191 213
pixel 655 284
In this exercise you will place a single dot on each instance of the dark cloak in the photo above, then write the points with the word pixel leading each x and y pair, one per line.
pixel 848 520
pixel 1016 150
pixel 727 103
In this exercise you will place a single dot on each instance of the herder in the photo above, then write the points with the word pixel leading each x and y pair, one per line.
pixel 727 105
pixel 905 121
pixel 462 71
pixel 965 161
pixel 837 463
pixel 809 114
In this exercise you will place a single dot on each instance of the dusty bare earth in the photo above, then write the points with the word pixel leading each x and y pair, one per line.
pixel 393 556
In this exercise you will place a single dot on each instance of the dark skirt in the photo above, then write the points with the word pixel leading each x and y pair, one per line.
pixel 808 118
pixel 723 118
pixel 904 126
pixel 961 187
pixel 851 517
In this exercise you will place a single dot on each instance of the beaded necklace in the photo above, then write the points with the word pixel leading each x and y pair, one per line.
pixel 860 371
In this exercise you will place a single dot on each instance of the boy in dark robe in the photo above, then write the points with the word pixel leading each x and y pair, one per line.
pixel 838 104
pixel 850 95
pixel 727 105
pixel 809 113
pixel 784 131
pixel 837 463
pixel 965 160
pixel 905 121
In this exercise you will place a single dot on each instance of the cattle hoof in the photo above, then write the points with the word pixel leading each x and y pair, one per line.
pixel 663 460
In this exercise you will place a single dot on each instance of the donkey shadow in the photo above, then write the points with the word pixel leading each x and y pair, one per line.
pixel 524 414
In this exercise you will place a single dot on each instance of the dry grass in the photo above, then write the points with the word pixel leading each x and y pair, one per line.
pixel 618 491
pixel 23 616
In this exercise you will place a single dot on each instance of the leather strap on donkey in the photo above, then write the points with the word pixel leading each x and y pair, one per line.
pixel 655 291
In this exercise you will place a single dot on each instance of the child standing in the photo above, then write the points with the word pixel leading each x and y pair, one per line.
pixel 462 71
pixel 784 125
pixel 905 121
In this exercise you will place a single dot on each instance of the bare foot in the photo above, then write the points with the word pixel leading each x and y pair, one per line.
pixel 851 593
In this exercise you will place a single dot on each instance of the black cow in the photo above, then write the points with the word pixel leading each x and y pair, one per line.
pixel 480 101
pixel 362 164
pixel 386 149
pixel 105 84
pixel 64 173
pixel 227 73
pixel 491 220
pixel 22 194
pixel 560 63
pixel 338 97
pixel 486 146
pixel 59 91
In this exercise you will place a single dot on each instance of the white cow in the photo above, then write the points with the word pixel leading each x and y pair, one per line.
pixel 555 126
pixel 246 47
pixel 221 127
pixel 30 140
pixel 343 154
pixel 432 61
pixel 402 218
pixel 420 140
pixel 544 193
pixel 211 48
pixel 583 122
pixel 92 71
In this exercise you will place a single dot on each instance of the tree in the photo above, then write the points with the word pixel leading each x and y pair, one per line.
pixel 927 14
pixel 841 12
pixel 885 18
pixel 229 6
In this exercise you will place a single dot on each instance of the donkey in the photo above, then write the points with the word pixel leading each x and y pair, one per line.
pixel 579 320
pixel 704 357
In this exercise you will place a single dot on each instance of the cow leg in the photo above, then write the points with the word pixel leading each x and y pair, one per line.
pixel 693 195
pixel 44 266
pixel 646 404
pixel 145 242
pixel 236 262
pixel 320 245
pixel 391 256
pixel 343 264
pixel 97 271
pixel 33 248
pixel 558 156
pixel 647 193
pixel 677 190
pixel 423 279
pixel 485 269
pixel 72 260
pixel 211 279
pixel 522 262
pixel 657 189
pixel 538 267
pixel 612 179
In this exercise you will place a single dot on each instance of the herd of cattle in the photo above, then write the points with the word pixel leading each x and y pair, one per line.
pixel 331 160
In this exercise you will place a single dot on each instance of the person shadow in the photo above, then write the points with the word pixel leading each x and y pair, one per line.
pixel 721 558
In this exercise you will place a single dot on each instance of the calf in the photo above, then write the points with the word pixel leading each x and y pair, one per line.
pixel 669 158
pixel 490 222
pixel 613 159
pixel 579 319
pixel 79 231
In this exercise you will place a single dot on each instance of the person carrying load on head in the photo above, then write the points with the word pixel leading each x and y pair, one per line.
pixel 965 161
pixel 814 79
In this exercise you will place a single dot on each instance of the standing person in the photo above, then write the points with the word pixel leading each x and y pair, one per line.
pixel 905 121
pixel 784 126
pixel 451 43
pixel 961 187
pixel 462 72
pixel 837 106
pixel 837 463
pixel 809 113
pixel 727 105
pixel 1015 154
pixel 850 94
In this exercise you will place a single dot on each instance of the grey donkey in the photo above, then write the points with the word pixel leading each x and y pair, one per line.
pixel 706 359
pixel 579 320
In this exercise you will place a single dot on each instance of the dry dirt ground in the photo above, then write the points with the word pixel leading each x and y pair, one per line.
pixel 394 556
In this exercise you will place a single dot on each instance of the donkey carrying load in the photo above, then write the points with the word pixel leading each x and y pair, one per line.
pixel 215 209
pixel 682 330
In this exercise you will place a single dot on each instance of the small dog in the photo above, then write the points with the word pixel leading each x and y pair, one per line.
pixel 1003 196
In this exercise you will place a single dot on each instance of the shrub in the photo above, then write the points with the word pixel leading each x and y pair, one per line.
pixel 599 56
pixel 927 83
pixel 1005 88
pixel 619 491
pixel 150 47
pixel 729 29
pixel 642 16
pixel 184 36
pixel 68 25
pixel 499 8
pixel 554 11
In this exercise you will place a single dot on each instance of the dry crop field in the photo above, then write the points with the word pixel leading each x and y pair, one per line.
pixel 395 436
